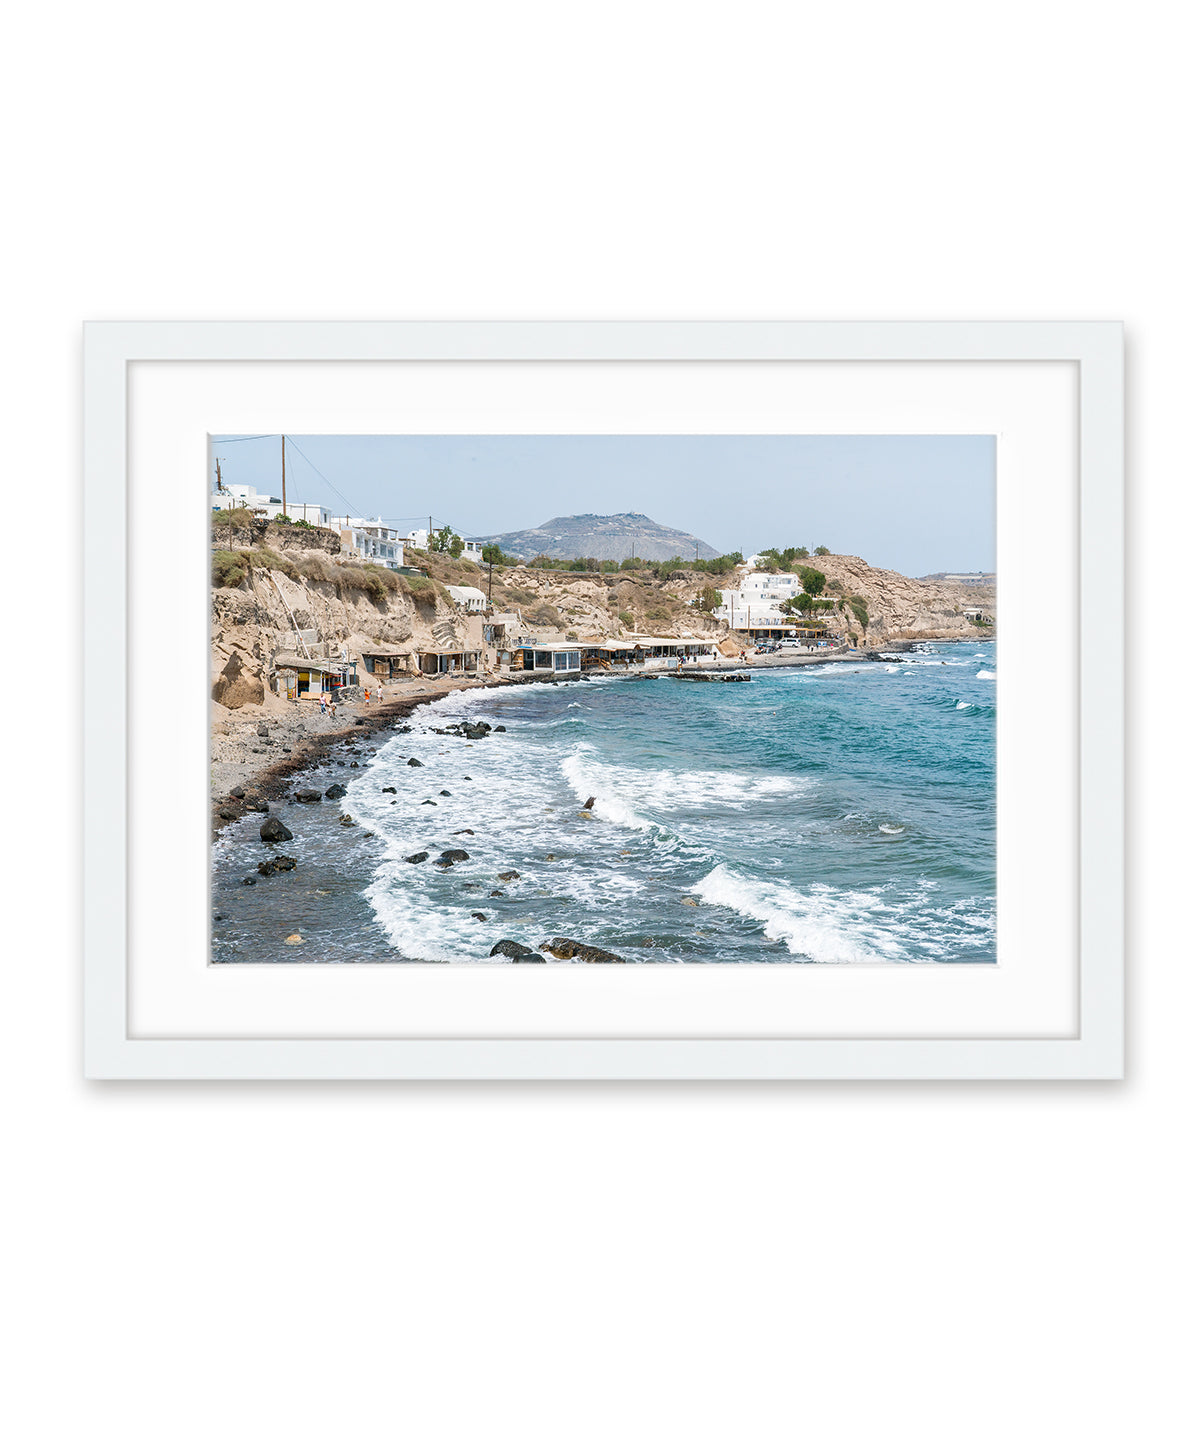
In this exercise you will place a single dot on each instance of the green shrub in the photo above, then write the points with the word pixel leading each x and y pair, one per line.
pixel 859 606
pixel 626 619
pixel 822 550
pixel 315 567
pixel 362 579
pixel 228 569
pixel 422 589
pixel 241 517
pixel 546 615
pixel 264 558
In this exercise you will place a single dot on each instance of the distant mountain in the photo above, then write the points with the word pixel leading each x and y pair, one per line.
pixel 601 537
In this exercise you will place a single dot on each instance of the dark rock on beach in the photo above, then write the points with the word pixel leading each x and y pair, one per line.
pixel 276 865
pixel 454 855
pixel 335 792
pixel 418 857
pixel 446 793
pixel 388 790
pixel 478 915
pixel 226 813
pixel 308 797
pixel 346 819
pixel 428 802
pixel 500 730
pixel 416 762
pixel 509 875
pixel 260 807
pixel 516 950
pixel 563 949
pixel 249 880
pixel 274 829
pixel 464 832
pixel 238 792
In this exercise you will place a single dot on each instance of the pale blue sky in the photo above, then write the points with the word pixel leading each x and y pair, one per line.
pixel 913 503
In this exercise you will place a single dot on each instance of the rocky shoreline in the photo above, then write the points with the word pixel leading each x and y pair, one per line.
pixel 245 776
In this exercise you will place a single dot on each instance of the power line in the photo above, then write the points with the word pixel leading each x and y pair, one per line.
pixel 351 507
pixel 323 476
pixel 237 439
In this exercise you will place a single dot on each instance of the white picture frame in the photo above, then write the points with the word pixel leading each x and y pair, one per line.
pixel 1092 901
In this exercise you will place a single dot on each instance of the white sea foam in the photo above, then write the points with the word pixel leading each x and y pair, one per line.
pixel 986 675
pixel 829 926
pixel 892 829
pixel 964 705
pixel 624 795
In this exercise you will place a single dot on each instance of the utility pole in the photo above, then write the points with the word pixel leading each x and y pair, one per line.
pixel 220 490
pixel 283 470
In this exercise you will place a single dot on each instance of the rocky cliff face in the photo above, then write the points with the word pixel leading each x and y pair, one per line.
pixel 259 617
pixel 254 620
pixel 898 607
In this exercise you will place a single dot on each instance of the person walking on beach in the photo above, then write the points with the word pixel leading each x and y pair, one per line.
pixel 322 704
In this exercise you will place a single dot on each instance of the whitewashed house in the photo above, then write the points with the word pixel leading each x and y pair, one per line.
pixel 374 541
pixel 466 597
pixel 758 601
pixel 230 497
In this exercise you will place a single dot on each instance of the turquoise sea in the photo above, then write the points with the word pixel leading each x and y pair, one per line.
pixel 830 814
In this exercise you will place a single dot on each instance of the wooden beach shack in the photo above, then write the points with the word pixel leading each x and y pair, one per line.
pixel 389 664
pixel 449 661
pixel 557 657
pixel 302 677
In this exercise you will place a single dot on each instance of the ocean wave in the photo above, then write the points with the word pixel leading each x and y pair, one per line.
pixel 986 675
pixel 828 926
pixel 624 794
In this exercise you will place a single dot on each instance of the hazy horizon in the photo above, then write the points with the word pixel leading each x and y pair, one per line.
pixel 916 504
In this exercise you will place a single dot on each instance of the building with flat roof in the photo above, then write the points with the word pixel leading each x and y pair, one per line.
pixel 231 497
pixel 468 598
pixel 373 541
pixel 758 600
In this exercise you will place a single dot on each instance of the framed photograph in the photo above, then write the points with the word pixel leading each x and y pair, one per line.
pixel 603 701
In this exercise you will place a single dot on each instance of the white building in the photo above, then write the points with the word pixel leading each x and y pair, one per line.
pixel 468 598
pixel 472 549
pixel 759 600
pixel 373 540
pixel 230 497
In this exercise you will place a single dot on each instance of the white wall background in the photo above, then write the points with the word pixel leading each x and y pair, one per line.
pixel 305 1261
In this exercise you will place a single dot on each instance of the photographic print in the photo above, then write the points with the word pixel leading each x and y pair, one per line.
pixel 603 699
